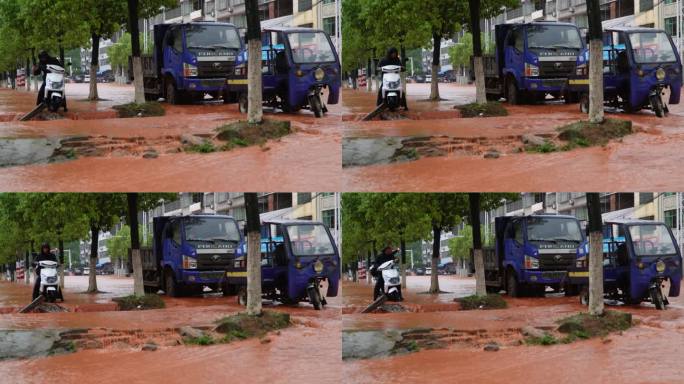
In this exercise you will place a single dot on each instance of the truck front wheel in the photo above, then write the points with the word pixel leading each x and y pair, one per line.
pixel 512 93
pixel 170 285
pixel 512 287
pixel 172 95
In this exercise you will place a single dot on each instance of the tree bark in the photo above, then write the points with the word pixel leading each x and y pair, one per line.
pixel 434 279
pixel 61 58
pixel 480 286
pixel 92 277
pixel 138 284
pixel 434 84
pixel 135 53
pixel 254 93
pixel 94 65
pixel 595 62
pixel 253 254
pixel 478 65
pixel 61 262
pixel 596 306
pixel 402 261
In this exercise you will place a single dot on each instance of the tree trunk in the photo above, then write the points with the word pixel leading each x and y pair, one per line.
pixel 61 58
pixel 402 261
pixel 434 279
pixel 28 74
pixel 94 65
pixel 595 255
pixel 253 255
pixel 434 85
pixel 138 284
pixel 92 277
pixel 254 93
pixel 480 95
pixel 595 62
pixel 480 286
pixel 135 53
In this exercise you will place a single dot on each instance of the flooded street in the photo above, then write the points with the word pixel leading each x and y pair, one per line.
pixel 312 340
pixel 647 353
pixel 148 153
pixel 656 143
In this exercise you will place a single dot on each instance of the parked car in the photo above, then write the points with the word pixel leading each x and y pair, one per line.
pixel 420 271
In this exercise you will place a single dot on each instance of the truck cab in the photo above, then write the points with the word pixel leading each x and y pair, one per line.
pixel 191 252
pixel 191 60
pixel 533 252
pixel 532 60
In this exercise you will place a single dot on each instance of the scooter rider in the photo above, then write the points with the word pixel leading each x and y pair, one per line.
pixel 392 58
pixel 386 255
pixel 44 255
pixel 44 59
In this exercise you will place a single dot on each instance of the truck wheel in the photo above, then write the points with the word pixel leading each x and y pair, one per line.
pixel 584 296
pixel 243 103
pixel 492 97
pixel 512 288
pixel 228 289
pixel 172 96
pixel 512 93
pixel 151 97
pixel 229 97
pixel 170 286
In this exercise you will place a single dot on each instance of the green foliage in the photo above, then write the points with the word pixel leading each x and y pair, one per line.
pixel 243 326
pixel 244 134
pixel 121 51
pixel 461 52
pixel 136 303
pixel 586 134
pixel 460 246
pixel 493 301
pixel 547 339
pixel 490 109
pixel 584 325
pixel 117 246
pixel 547 147
pixel 200 340
pixel 147 109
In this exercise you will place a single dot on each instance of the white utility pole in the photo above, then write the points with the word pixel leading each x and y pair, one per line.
pixel 407 251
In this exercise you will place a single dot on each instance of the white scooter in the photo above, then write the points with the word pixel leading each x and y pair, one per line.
pixel 392 278
pixel 392 89
pixel 54 88
pixel 49 281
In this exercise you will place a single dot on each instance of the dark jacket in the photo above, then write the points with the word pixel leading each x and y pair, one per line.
pixel 381 259
pixel 42 66
pixel 43 257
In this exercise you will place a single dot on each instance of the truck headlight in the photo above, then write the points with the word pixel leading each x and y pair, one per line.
pixel 531 70
pixel 319 74
pixel 660 74
pixel 189 262
pixel 318 266
pixel 189 70
pixel 531 262
pixel 660 266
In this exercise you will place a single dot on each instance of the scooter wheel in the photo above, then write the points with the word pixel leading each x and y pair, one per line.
pixel 317 106
pixel 315 298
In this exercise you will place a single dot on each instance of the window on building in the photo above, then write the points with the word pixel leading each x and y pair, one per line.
pixel 303 198
pixel 645 5
pixel 671 25
pixel 328 218
pixel 303 5
pixel 645 198
pixel 329 25
pixel 671 218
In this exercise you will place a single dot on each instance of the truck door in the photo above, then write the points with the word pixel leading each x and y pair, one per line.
pixel 515 47
pixel 514 244
pixel 172 244
pixel 173 51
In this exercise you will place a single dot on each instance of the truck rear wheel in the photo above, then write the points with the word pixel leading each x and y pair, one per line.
pixel 172 94
pixel 242 103
pixel 170 285
pixel 151 97
pixel 228 289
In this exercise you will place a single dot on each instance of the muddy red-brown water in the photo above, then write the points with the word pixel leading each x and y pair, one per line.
pixel 650 352
pixel 308 159
pixel 655 149
pixel 312 344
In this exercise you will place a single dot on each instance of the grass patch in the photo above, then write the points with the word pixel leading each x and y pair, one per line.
pixel 242 326
pixel 133 302
pixel 201 340
pixel 493 301
pixel 586 134
pixel 147 109
pixel 585 326
pixel 490 109
pixel 206 147
pixel 547 339
pixel 243 134
pixel 547 147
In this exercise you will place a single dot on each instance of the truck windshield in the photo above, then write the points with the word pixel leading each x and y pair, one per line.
pixel 310 47
pixel 553 230
pixel 212 37
pixel 652 240
pixel 310 240
pixel 553 37
pixel 211 229
pixel 652 47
